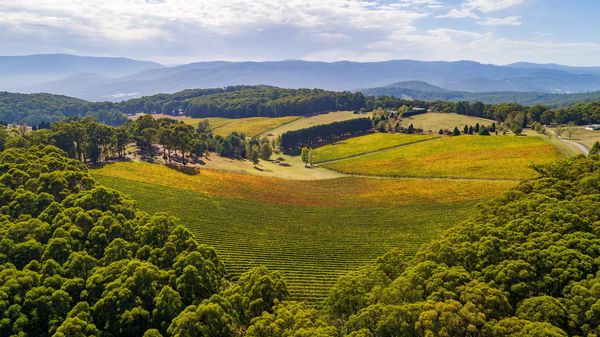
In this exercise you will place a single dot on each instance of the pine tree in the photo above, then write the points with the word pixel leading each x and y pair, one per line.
pixel 456 131
pixel 411 129
pixel 465 130
pixel 483 131
pixel 476 128
pixel 471 129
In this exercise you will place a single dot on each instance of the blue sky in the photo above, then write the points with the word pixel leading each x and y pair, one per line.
pixel 180 31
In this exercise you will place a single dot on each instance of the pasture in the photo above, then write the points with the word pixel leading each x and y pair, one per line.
pixel 364 144
pixel 252 126
pixel 438 120
pixel 311 231
pixel 491 157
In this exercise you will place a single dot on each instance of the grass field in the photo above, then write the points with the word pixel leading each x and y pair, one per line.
pixel 436 120
pixel 306 122
pixel 253 126
pixel 364 144
pixel 311 231
pixel 496 157
pixel 582 136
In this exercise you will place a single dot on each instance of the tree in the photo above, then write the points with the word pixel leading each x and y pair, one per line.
pixel 483 131
pixel 595 149
pixel 456 131
pixel 516 128
pixel 305 156
pixel 266 151
pixel 411 129
pixel 255 157
pixel 465 130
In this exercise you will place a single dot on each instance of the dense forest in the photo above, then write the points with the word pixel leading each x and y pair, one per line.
pixel 294 141
pixel 251 101
pixel 77 259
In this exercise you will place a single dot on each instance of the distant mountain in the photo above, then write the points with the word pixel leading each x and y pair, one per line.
pixel 23 71
pixel 146 78
pixel 418 90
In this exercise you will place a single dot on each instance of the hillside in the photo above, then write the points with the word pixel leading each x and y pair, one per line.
pixel 418 90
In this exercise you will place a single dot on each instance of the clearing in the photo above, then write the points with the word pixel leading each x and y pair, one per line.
pixel 480 157
pixel 435 121
pixel 365 144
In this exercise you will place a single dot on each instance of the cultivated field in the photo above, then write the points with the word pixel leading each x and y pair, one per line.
pixel 492 157
pixel 311 231
pixel 252 126
pixel 435 121
pixel 364 144
pixel 306 122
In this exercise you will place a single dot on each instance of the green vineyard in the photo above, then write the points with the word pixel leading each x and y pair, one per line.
pixel 310 246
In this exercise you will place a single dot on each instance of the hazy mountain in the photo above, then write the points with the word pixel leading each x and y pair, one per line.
pixel 21 71
pixel 146 78
pixel 418 90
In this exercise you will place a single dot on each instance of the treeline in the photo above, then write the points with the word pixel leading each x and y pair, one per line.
pixel 36 109
pixel 294 141
pixel 78 259
pixel 252 101
pixel 579 114
pixel 88 141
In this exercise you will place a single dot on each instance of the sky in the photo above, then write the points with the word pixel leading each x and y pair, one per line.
pixel 182 31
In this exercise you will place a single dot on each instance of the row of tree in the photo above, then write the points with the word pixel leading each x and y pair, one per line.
pixel 294 141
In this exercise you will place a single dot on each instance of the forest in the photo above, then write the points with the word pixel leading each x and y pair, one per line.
pixel 267 101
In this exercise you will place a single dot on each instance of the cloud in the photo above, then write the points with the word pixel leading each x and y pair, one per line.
pixel 506 21
pixel 470 8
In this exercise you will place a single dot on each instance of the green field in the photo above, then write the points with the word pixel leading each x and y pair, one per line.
pixel 492 157
pixel 364 144
pixel 311 246
pixel 437 120
pixel 252 126
pixel 311 231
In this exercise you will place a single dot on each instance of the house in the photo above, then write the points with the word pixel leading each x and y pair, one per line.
pixel 592 127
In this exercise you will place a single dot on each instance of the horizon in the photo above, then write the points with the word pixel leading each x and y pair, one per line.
pixel 498 32
pixel 298 60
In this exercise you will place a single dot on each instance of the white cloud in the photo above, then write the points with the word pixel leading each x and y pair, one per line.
pixel 470 8
pixel 506 21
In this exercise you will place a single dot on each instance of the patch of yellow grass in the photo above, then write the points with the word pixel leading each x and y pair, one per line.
pixel 252 126
pixel 364 144
pixel 435 121
pixel 497 157
pixel 340 192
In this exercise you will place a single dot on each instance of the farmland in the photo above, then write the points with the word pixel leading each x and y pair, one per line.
pixel 436 120
pixel 311 231
pixel 252 126
pixel 495 157
pixel 364 144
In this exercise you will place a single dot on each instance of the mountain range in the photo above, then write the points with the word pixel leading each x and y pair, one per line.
pixel 116 79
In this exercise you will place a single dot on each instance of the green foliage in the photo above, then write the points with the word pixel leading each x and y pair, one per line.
pixel 78 259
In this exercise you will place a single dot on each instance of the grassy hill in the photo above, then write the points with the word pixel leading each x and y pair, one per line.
pixel 491 157
pixel 436 120
pixel 311 231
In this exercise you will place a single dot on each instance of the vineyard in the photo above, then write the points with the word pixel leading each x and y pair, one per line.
pixel 311 231
pixel 492 157
pixel 365 144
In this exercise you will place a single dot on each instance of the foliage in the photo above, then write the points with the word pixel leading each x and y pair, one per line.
pixel 78 259
pixel 294 141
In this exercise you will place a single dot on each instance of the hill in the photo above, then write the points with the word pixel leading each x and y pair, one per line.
pixel 418 90
pixel 25 71
pixel 344 75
